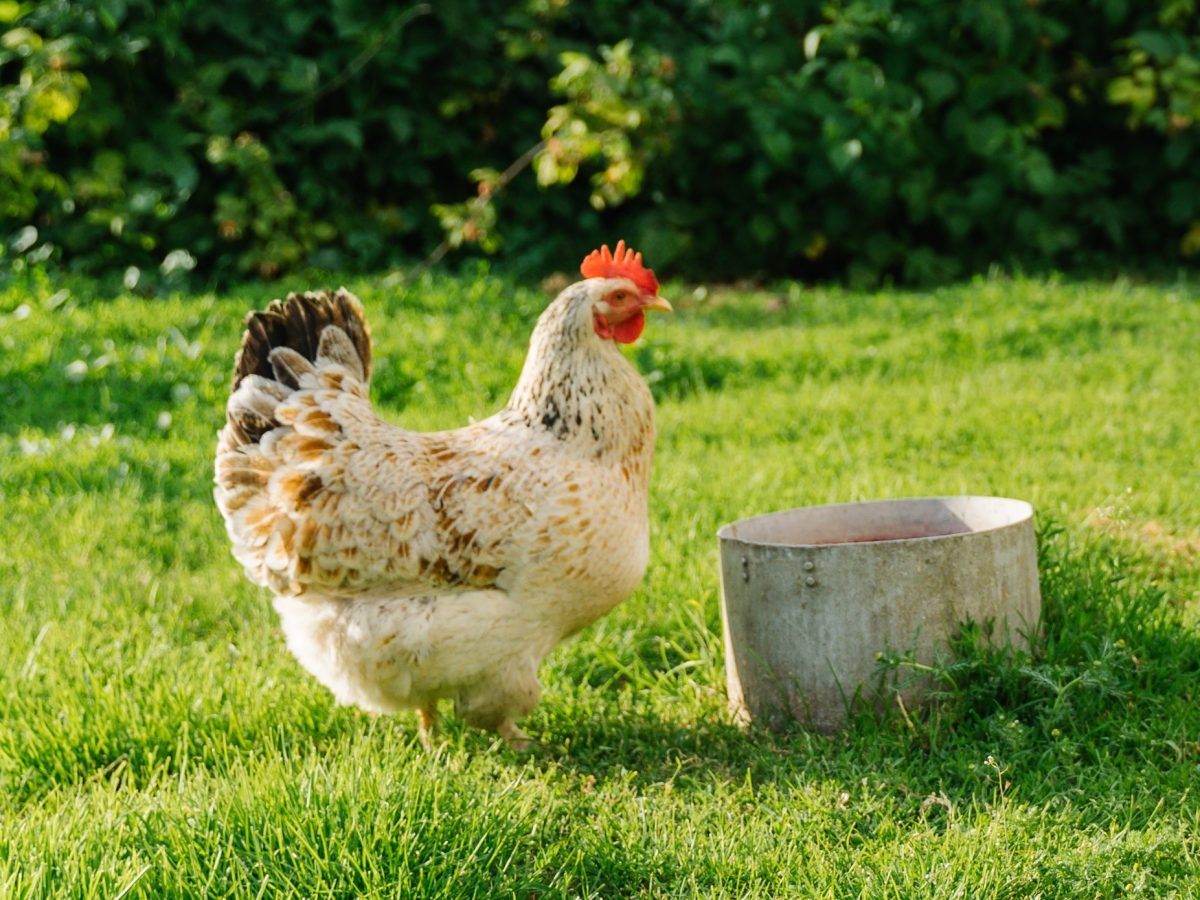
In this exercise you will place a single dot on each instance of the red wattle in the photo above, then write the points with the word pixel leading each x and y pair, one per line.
pixel 630 330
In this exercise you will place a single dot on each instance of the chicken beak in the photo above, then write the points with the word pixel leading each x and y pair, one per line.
pixel 658 303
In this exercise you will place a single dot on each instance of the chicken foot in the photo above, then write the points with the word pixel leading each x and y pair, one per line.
pixel 427 717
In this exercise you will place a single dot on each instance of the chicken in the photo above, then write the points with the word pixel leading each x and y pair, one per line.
pixel 410 567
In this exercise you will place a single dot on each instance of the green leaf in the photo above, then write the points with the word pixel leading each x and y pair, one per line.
pixel 1179 151
pixel 400 124
pixel 726 55
pixel 1126 91
pixel 21 37
pixel 1051 113
pixel 986 136
pixel 346 131
pixel 1039 172
pixel 1116 10
pixel 778 146
pixel 1161 45
pixel 937 85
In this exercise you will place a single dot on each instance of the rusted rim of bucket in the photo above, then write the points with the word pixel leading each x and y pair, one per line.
pixel 1008 512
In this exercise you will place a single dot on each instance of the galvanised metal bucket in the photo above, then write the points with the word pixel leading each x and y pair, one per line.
pixel 811 596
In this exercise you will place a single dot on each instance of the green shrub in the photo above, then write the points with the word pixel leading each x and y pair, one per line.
pixel 862 138
pixel 42 92
pixel 920 140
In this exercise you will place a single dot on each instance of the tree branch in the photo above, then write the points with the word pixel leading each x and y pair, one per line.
pixel 515 168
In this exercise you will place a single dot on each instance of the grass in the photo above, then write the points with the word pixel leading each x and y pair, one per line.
pixel 157 740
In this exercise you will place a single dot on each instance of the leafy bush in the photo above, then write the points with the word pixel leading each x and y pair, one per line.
pixel 921 139
pixel 865 138
pixel 41 94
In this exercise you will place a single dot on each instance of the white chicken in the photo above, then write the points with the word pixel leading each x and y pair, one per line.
pixel 410 567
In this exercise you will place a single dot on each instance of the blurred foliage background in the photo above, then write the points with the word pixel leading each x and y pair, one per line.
pixel 860 139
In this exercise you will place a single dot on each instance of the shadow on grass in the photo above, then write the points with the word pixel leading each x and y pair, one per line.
pixel 1102 714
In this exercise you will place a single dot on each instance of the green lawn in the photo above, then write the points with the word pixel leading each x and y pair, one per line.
pixel 156 739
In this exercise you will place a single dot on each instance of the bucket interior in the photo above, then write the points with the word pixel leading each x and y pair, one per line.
pixel 883 520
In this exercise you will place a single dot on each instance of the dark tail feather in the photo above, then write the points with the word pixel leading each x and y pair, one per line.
pixel 297 323
pixel 282 343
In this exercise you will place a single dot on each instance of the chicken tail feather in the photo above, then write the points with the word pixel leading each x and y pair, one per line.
pixel 283 343
pixel 299 323
pixel 296 355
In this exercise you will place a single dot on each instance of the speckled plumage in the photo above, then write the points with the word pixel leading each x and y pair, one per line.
pixel 409 567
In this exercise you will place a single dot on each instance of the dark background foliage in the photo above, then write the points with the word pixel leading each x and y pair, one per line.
pixel 866 139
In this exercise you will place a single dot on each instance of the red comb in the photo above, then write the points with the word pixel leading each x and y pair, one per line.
pixel 622 264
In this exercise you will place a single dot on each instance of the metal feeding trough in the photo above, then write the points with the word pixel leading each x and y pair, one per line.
pixel 810 596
